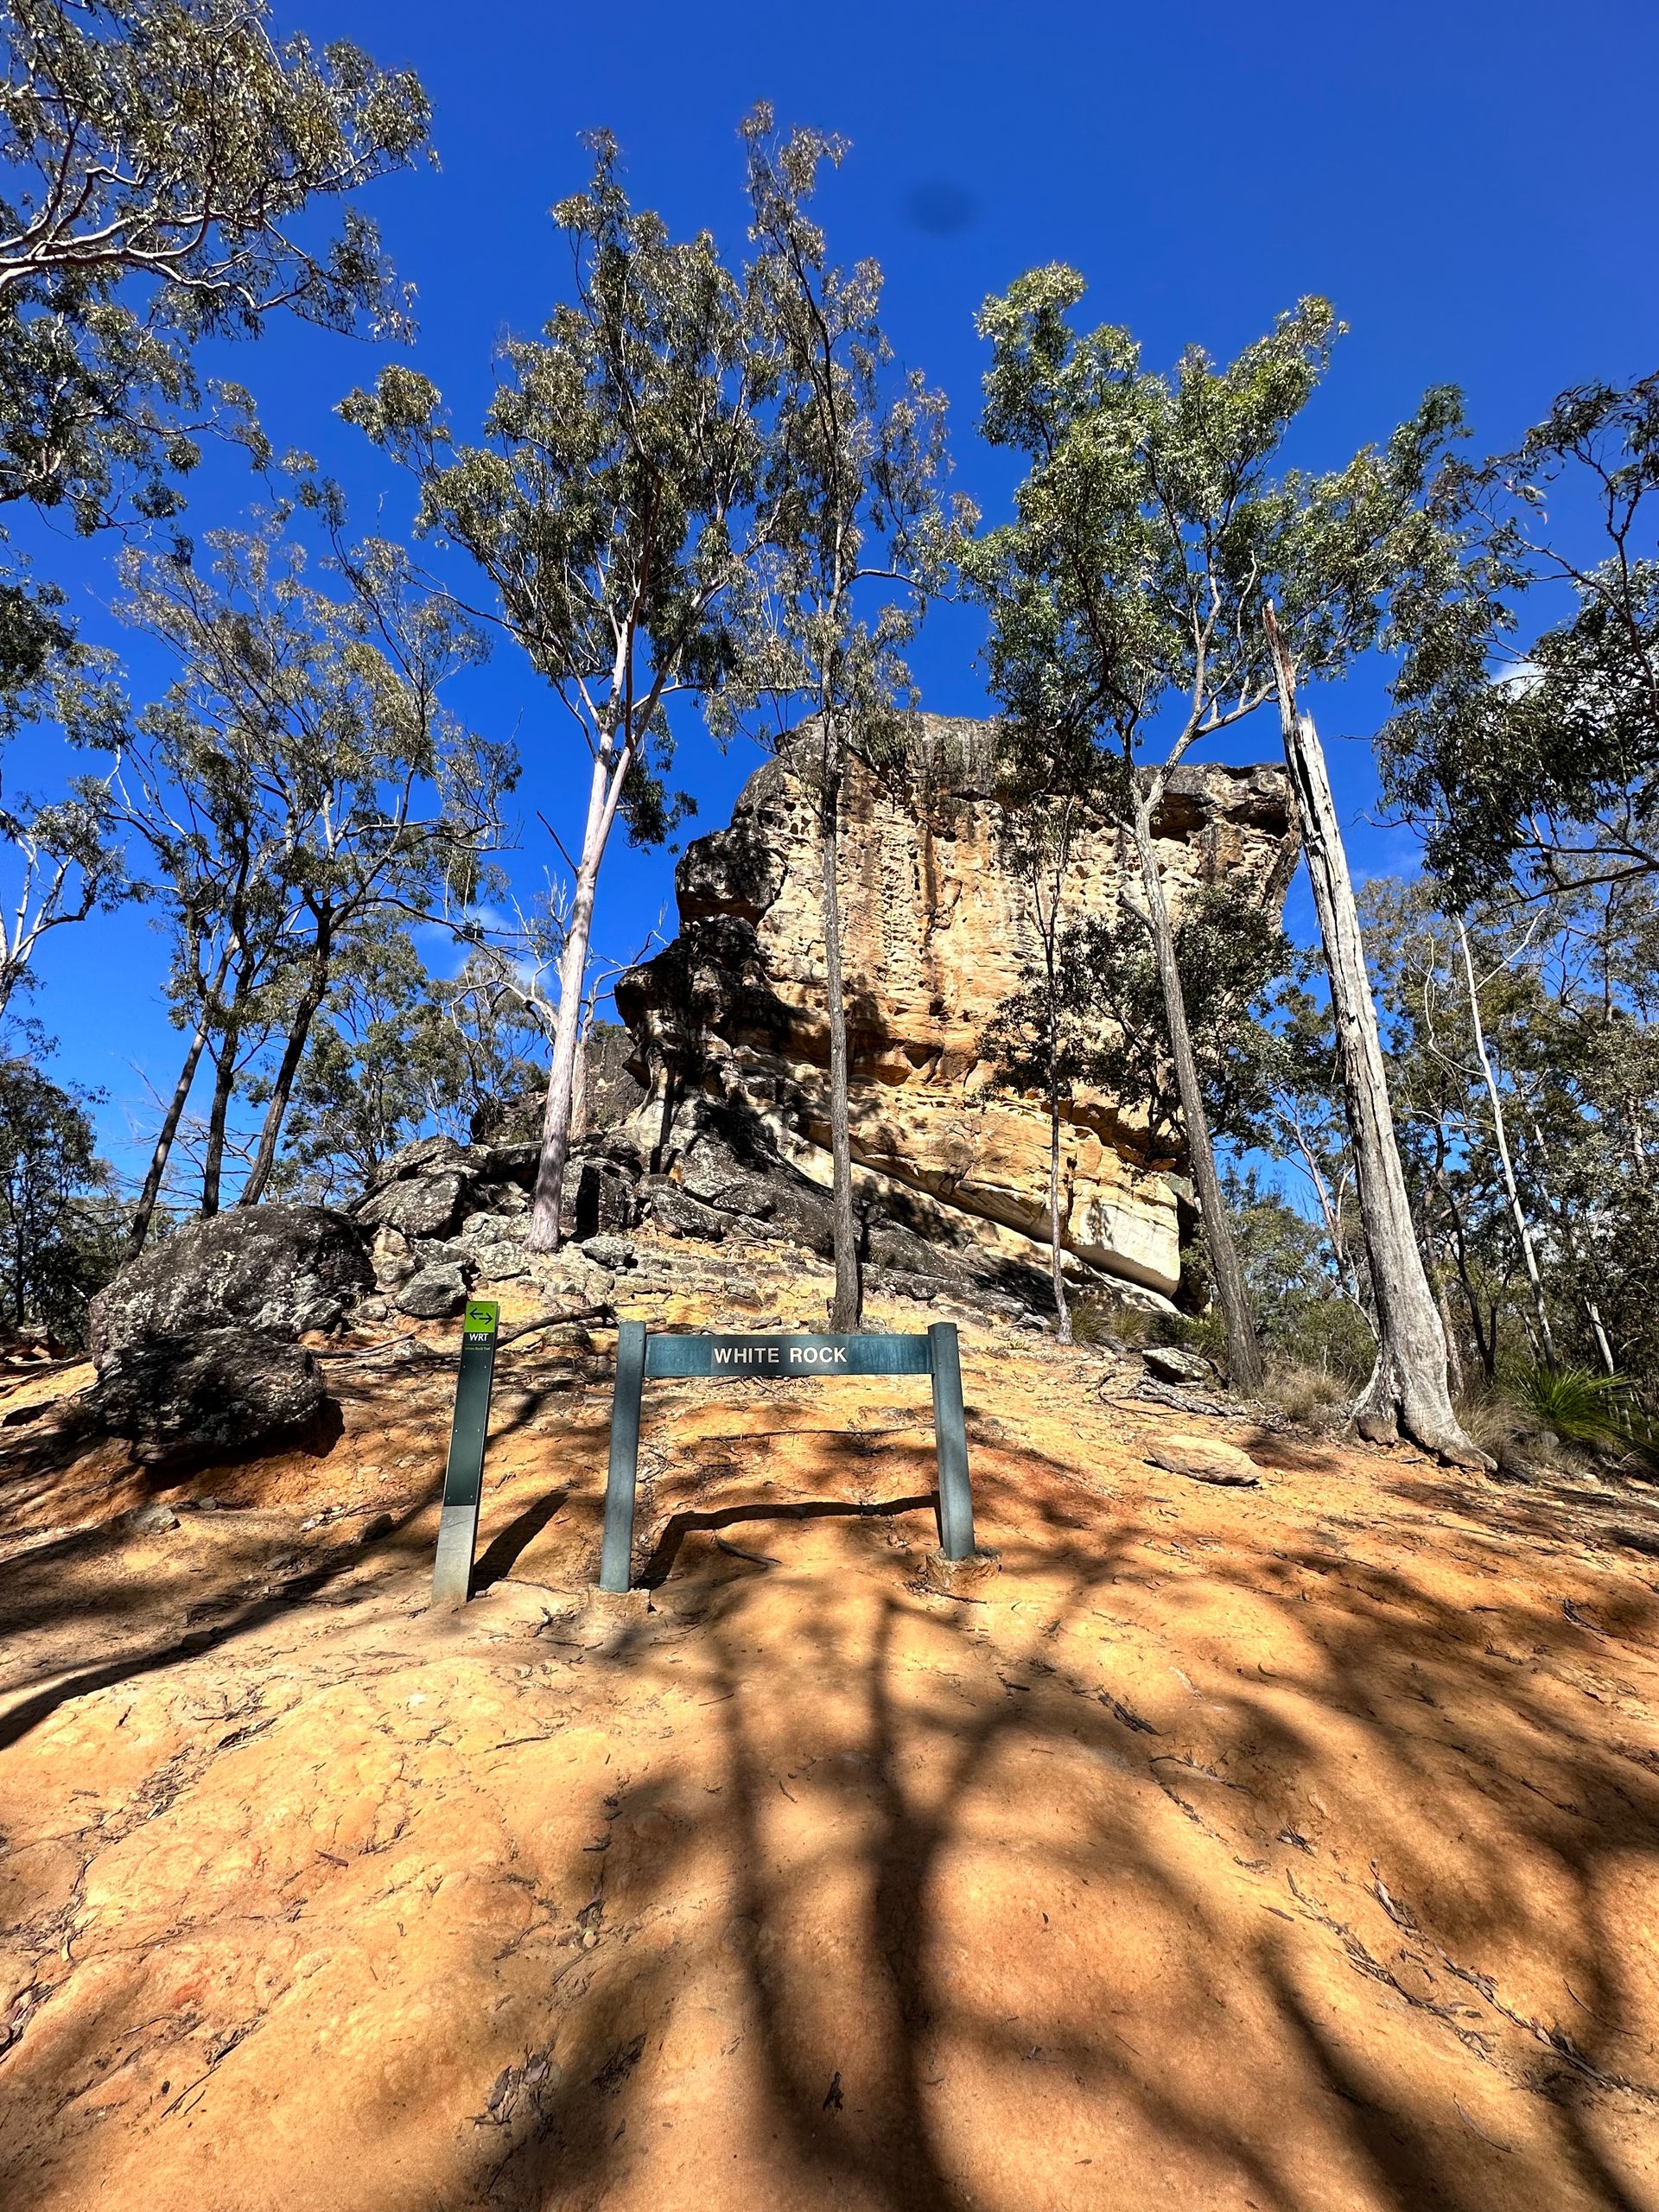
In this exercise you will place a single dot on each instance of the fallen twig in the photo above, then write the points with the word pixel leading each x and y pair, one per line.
pixel 1481 2132
pixel 435 1356
pixel 736 1551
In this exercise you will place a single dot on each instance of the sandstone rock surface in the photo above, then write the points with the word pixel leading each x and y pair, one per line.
pixel 1206 1459
pixel 938 930
pixel 1288 1848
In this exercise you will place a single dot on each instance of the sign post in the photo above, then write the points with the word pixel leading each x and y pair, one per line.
pixel 463 1478
pixel 640 1358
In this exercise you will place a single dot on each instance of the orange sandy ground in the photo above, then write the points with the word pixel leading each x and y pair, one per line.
pixel 1282 1848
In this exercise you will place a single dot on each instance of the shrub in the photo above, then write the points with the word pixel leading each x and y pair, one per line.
pixel 1597 1411
pixel 1312 1397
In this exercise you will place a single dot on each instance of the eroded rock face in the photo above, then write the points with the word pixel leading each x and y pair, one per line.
pixel 279 1269
pixel 938 930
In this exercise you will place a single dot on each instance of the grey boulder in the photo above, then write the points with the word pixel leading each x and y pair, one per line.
pixel 423 1205
pixel 215 1394
pixel 434 1295
pixel 280 1269
pixel 1170 1364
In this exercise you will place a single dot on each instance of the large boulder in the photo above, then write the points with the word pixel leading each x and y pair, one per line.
pixel 280 1269
pixel 214 1393
pixel 435 1293
pixel 422 1205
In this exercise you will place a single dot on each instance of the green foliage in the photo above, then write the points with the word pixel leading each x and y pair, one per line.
pixel 1151 529
pixel 59 1226
pixel 1154 527
pixel 604 500
pixel 169 158
pixel 1568 992
pixel 1303 1314
pixel 1583 1407
pixel 1230 954
pixel 848 492
pixel 166 164
pixel 1101 1024
pixel 399 1052
pixel 300 782
pixel 1538 758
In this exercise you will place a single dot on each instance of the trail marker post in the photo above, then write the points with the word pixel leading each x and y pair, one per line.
pixel 641 1358
pixel 463 1477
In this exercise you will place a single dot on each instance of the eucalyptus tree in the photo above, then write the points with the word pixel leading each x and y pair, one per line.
pixel 1091 1017
pixel 1231 956
pixel 1127 594
pixel 1523 1049
pixel 397 1050
pixel 63 857
pixel 166 163
pixel 618 453
pixel 217 860
pixel 301 780
pixel 1409 1382
pixel 57 1214
pixel 1306 1123
pixel 1526 742
pixel 851 532
pixel 60 858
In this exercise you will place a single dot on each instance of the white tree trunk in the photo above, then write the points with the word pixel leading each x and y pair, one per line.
pixel 1407 1390
pixel 567 1031
pixel 1500 1132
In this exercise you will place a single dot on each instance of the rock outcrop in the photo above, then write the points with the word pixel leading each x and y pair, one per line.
pixel 195 1342
pixel 706 1117
pixel 447 1218
pixel 938 930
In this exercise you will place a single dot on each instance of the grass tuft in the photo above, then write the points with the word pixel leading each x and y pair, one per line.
pixel 1311 1396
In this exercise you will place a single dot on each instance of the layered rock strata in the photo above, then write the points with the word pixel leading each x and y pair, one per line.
pixel 938 929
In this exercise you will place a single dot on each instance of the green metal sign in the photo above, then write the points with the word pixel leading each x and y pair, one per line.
pixel 641 1358
pixel 463 1478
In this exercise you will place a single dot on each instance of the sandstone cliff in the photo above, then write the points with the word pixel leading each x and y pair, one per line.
pixel 938 929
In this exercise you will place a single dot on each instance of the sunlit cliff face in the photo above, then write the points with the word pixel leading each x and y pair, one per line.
pixel 937 931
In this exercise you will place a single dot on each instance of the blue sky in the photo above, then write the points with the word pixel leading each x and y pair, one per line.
pixel 1472 186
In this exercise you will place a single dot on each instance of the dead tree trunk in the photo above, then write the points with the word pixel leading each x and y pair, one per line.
pixel 1243 1353
pixel 1407 1390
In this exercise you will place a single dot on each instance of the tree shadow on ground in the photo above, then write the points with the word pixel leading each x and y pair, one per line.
pixel 1352 2072
pixel 1269 1877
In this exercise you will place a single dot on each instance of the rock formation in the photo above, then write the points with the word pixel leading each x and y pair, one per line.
pixel 938 929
